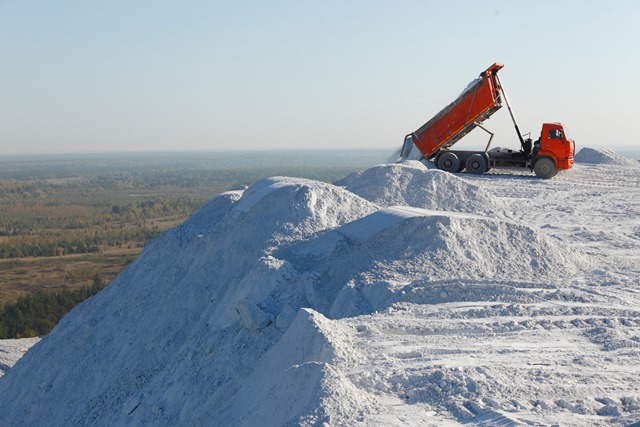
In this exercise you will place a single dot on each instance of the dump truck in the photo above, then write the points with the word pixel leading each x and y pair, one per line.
pixel 551 152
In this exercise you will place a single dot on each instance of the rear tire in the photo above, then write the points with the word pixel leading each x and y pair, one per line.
pixel 476 164
pixel 545 168
pixel 448 162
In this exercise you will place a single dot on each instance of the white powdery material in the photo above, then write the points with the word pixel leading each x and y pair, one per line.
pixel 12 350
pixel 603 156
pixel 399 295
pixel 413 184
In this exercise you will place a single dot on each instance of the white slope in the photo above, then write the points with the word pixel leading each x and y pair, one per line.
pixel 301 379
pixel 296 302
pixel 603 156
pixel 411 183
pixel 367 264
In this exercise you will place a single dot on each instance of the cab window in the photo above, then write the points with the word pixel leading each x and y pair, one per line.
pixel 555 134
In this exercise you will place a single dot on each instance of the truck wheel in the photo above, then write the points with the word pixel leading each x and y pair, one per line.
pixel 545 168
pixel 448 162
pixel 477 164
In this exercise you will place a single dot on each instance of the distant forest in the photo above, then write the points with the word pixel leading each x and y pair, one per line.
pixel 38 313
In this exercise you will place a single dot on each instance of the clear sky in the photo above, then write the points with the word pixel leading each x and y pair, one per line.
pixel 137 75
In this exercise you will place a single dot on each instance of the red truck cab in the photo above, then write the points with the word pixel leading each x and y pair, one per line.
pixel 556 144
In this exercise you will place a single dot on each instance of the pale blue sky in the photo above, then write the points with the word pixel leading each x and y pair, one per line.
pixel 136 75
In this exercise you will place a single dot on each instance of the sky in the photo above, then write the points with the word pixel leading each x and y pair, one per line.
pixel 156 75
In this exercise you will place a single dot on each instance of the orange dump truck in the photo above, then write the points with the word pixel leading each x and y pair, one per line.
pixel 553 151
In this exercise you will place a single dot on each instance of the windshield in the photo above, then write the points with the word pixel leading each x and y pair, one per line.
pixel 567 134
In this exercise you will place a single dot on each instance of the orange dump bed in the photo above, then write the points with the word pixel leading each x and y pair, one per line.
pixel 477 103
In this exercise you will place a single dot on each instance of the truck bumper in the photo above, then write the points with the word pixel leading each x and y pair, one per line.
pixel 566 163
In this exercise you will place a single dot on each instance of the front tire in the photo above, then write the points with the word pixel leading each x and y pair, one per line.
pixel 477 164
pixel 545 168
pixel 449 162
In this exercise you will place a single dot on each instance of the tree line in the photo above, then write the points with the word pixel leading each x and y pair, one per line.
pixel 67 243
pixel 30 217
pixel 37 313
